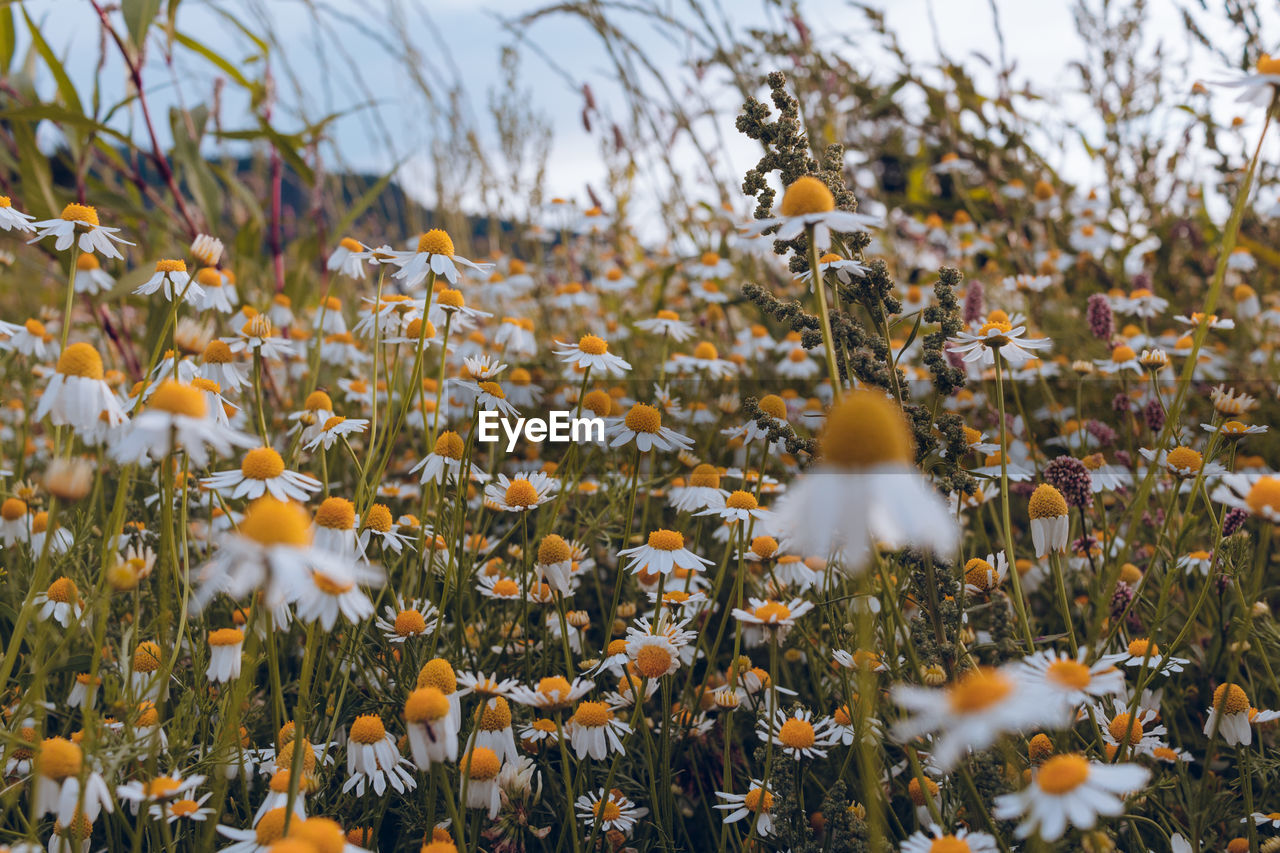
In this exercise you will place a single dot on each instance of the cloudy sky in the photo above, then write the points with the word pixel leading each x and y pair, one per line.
pixel 461 40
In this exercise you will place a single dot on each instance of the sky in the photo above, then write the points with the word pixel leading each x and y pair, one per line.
pixel 462 39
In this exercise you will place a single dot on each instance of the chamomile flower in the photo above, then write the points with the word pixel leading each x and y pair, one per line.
pixel 173 282
pixel 373 759
pixel 667 324
pixel 335 428
pixel 59 765
pixel 218 364
pixel 808 202
pixel 349 258
pixel 12 219
pixel 971 713
pixel 938 841
pixel 79 224
pixel 611 813
pixel 176 417
pixel 434 254
pixel 754 806
pixel 595 730
pixel 225 646
pixel 1069 790
pixel 61 601
pixel 864 489
pixel 798 734
pixel 843 268
pixel 91 278
pixel 982 576
pixel 552 693
pixel 1069 680
pixel 78 395
pixel 766 618
pixel 997 335
pixel 1145 654
pixel 592 352
pixel 1229 716
pixel 324 597
pixel 1050 523
pixel 663 552
pixel 1259 86
pixel 32 339
pixel 138 793
pixel 432 727
pixel 642 425
pixel 525 491
pixel 262 472
pixel 258 336
pixel 412 620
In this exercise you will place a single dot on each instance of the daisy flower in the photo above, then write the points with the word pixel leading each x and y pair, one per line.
pixel 708 265
pixel 80 219
pixel 1069 680
pixel 374 760
pixel 176 417
pixel 444 462
pixel 611 813
pixel 91 278
pixel 324 597
pixel 1146 654
pixel 938 841
pixel 643 425
pixel 183 808
pixel 1229 715
pixel 768 618
pixel 138 793
pixel 262 472
pixel 413 619
pixel 797 734
pixel 59 764
pixel 667 324
pixel 173 281
pixel 981 576
pixel 432 727
pixel 755 806
pixel 978 707
pixel 595 730
pixel 61 601
pixel 525 491
pixel 31 338
pixel 12 219
pixel 334 428
pixel 1069 790
pixel 257 336
pixel 1259 86
pixel 663 552
pixel 843 268
pixel 377 525
pixel 552 693
pixel 997 335
pixel 349 258
pixel 592 352
pixel 1050 523
pixel 434 255
pixel 864 489
pixel 225 646
pixel 808 202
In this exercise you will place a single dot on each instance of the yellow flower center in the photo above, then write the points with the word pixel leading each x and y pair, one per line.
pixel 710 259
pixel 13 509
pixel 378 518
pixel 1138 648
pixel 271 827
pixel 705 476
pixel 329 585
pixel 439 674
pixel 807 195
pixel 773 406
pixel 593 345
pixel 178 399
pixel 367 728
pixel 226 637
pixel 436 242
pixel 496 716
pixel 553 549
pixel 643 418
pixel 666 540
pixel 1264 497
pixel 493 389
pixel 80 360
pixel 521 493
pixel 741 500
pixel 607 810
pixel 1046 502
pixel 706 351
pixel 426 705
pixel 773 611
pixel 796 734
pixel 977 690
pixel 183 808
pixel 506 588
pixel 409 623
pixel 592 714
pixel 949 844
pixel 35 328
pixel 758 800
pixel 554 686
pixel 1230 699
pixel 1126 730
pixel 268 521
pixel 171 265
pixel 336 514
pixel 1069 673
pixel 764 547
pixel 653 661
pixel 1185 459
pixel 351 244
pixel 262 463
pixel 1123 353
pixel 668 315
pixel 866 429
pixel 161 786
pixel 1267 65
pixel 59 758
pixel 979 573
pixel 1062 774
pixel 80 213
pixel 146 657
pixel 63 590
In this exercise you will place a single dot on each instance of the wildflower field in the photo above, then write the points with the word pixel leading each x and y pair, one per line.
pixel 916 488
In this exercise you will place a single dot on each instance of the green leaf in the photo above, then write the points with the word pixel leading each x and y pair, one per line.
pixel 62 116
pixel 33 167
pixel 8 38
pixel 226 66
pixel 138 15
pixel 65 87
